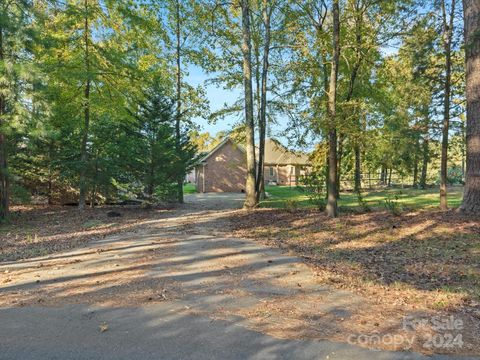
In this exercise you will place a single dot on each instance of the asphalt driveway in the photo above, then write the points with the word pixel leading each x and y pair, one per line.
pixel 176 288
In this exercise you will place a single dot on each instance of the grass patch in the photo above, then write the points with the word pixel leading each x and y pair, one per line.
pixel 408 198
pixel 189 189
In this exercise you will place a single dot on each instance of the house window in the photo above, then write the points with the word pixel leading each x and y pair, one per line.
pixel 291 170
pixel 271 171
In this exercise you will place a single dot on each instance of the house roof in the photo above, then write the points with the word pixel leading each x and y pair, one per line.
pixel 275 153
pixel 278 154
pixel 219 146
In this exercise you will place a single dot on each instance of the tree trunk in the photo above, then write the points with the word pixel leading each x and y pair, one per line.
pixel 358 171
pixel 262 124
pixel 462 126
pixel 390 178
pixel 93 194
pixel 251 198
pixel 340 142
pixel 425 155
pixel 50 173
pixel 415 174
pixel 471 196
pixel 49 190
pixel 86 125
pixel 179 100
pixel 332 208
pixel 151 183
pixel 415 164
pixel 4 181
pixel 353 76
pixel 447 44
pixel 351 87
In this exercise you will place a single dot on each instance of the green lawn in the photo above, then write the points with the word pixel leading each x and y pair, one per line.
pixel 408 198
pixel 189 189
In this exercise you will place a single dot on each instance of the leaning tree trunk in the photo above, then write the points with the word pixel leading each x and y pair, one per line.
pixel 251 198
pixel 178 140
pixel 447 44
pixel 332 209
pixel 86 112
pixel 4 196
pixel 471 196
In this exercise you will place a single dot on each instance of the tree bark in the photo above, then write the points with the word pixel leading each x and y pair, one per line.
pixel 332 208
pixel 353 76
pixel 471 196
pixel 262 123
pixel 179 99
pixel 86 125
pixel 447 45
pixel 94 183
pixel 50 173
pixel 251 198
pixel 151 173
pixel 415 164
pixel 351 87
pixel 340 142
pixel 358 171
pixel 4 181
pixel 425 155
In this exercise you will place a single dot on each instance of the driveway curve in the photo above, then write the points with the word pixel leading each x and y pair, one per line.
pixel 177 288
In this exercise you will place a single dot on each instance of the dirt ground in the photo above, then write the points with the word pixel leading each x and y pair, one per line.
pixel 291 275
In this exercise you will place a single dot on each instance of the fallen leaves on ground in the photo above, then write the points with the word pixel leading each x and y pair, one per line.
pixel 42 230
pixel 433 254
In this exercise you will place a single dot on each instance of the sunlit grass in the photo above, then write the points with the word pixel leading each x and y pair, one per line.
pixel 409 198
pixel 189 189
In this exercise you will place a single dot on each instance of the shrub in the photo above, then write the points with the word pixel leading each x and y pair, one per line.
pixel 314 187
pixel 393 205
pixel 20 195
pixel 291 205
pixel 166 192
pixel 455 175
pixel 362 202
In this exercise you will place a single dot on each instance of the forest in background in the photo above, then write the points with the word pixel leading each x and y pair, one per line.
pixel 94 105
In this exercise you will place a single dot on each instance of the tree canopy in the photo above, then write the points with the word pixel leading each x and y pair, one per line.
pixel 95 105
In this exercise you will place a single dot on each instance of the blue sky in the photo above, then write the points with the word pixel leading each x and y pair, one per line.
pixel 217 97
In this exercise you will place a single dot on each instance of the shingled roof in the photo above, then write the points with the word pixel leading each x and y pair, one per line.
pixel 277 154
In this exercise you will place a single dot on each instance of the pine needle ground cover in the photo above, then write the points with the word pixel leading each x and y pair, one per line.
pixel 41 230
pixel 423 261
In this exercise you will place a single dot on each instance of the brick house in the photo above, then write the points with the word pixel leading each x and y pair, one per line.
pixel 224 168
pixel 283 166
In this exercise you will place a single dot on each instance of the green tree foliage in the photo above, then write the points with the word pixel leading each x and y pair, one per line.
pixel 96 106
pixel 71 105
pixel 159 162
pixel 18 34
